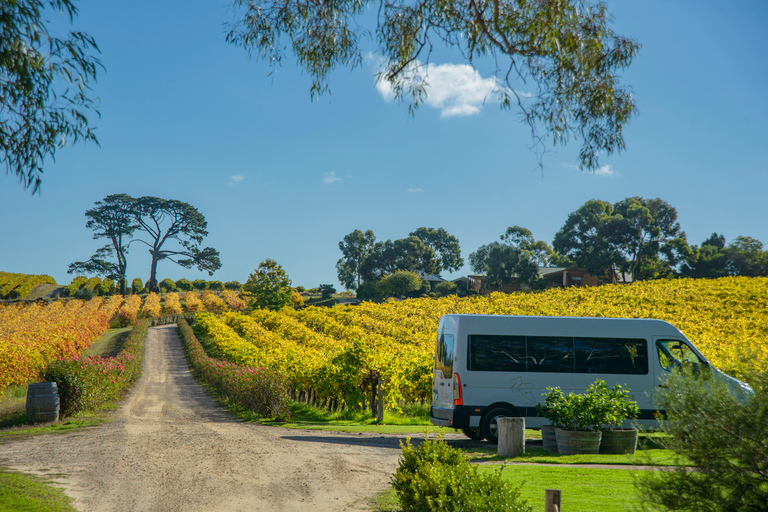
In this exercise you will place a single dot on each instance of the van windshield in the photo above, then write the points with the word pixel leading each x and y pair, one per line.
pixel 675 353
pixel 444 355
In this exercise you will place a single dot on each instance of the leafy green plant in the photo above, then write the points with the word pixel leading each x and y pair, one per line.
pixel 613 404
pixel 599 406
pixel 435 477
pixel 722 430
pixel 552 409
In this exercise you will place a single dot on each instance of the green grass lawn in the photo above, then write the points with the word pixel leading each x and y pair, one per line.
pixel 20 492
pixel 583 490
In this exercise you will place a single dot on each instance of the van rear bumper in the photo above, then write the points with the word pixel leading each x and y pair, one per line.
pixel 453 417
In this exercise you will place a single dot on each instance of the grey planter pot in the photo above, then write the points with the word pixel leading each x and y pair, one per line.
pixel 574 442
pixel 548 438
pixel 622 440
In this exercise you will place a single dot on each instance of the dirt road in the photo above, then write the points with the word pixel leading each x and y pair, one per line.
pixel 171 448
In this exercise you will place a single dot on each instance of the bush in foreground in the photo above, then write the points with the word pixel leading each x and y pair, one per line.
pixel 90 383
pixel 720 430
pixel 435 477
pixel 260 390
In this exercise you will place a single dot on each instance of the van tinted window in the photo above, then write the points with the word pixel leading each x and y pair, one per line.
pixel 611 355
pixel 555 354
pixel 550 354
pixel 489 353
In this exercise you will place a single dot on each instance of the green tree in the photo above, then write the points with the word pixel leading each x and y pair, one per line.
pixel 746 257
pixel 268 286
pixel 44 89
pixel 637 236
pixel 169 220
pixel 136 286
pixel 445 246
pixel 409 254
pixel 648 237
pixel 355 247
pixel 183 285
pixel 707 261
pixel 503 264
pixel 518 256
pixel 113 219
pixel 565 49
pixel 584 239
pixel 722 432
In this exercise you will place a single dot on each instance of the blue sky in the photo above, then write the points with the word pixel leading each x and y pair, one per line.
pixel 187 116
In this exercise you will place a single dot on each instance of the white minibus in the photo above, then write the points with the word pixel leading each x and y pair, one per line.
pixel 491 366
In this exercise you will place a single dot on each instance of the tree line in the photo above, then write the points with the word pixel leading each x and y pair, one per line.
pixel 169 229
pixel 633 239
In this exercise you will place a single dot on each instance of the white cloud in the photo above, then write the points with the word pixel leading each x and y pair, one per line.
pixel 413 190
pixel 236 178
pixel 605 170
pixel 330 177
pixel 456 90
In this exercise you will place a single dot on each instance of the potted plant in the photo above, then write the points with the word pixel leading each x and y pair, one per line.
pixel 614 408
pixel 580 430
pixel 554 399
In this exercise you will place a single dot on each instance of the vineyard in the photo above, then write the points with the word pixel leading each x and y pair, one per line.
pixel 18 286
pixel 338 354
pixel 34 336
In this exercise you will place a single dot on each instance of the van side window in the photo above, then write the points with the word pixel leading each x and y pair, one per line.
pixel 444 355
pixel 488 353
pixel 550 354
pixel 623 356
pixel 675 353
pixel 556 354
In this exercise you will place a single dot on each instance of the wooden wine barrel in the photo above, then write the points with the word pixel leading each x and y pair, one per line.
pixel 42 402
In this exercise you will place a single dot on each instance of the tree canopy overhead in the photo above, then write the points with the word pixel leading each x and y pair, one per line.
pixel 44 87
pixel 564 50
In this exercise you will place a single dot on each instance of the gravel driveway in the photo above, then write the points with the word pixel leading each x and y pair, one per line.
pixel 171 448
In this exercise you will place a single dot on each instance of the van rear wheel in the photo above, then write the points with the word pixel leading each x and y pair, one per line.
pixel 490 426
pixel 473 433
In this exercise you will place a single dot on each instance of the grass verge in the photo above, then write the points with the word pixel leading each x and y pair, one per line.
pixel 29 493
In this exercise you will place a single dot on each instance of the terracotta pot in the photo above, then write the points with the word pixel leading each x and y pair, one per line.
pixel 623 440
pixel 573 442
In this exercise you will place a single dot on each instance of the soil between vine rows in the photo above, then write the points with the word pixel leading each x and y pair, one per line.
pixel 171 448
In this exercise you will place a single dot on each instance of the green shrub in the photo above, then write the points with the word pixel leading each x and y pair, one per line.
pixel 107 287
pixel 444 288
pixel 232 285
pixel 722 431
pixel 183 285
pixel 166 285
pixel 137 286
pixel 260 390
pixel 91 383
pixel 436 477
pixel 75 285
pixel 85 293
pixel 200 284
pixel 215 285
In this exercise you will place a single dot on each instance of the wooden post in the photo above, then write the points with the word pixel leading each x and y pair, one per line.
pixel 552 500
pixel 511 436
pixel 380 402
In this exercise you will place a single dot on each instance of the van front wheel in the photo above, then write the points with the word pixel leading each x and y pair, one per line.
pixel 490 426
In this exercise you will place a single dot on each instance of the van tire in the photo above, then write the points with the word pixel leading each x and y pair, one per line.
pixel 473 433
pixel 490 427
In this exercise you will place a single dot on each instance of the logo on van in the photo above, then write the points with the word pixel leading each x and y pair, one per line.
pixel 525 389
